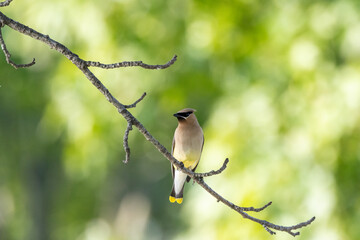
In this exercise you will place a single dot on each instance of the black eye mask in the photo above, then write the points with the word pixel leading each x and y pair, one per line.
pixel 183 115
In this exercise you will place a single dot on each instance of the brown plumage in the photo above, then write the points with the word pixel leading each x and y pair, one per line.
pixel 187 147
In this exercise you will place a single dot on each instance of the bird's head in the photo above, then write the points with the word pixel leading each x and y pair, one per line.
pixel 185 114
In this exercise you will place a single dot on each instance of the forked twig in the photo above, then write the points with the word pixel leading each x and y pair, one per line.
pixel 213 172
pixel 8 55
pixel 136 102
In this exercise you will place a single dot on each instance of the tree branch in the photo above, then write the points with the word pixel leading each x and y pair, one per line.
pixel 130 64
pixel 267 225
pixel 132 121
pixel 213 172
pixel 252 209
pixel 126 143
pixel 5 3
pixel 136 102
pixel 8 55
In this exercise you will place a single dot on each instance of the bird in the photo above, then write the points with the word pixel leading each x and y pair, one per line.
pixel 187 147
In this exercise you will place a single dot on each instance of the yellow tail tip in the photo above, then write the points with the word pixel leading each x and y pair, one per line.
pixel 171 199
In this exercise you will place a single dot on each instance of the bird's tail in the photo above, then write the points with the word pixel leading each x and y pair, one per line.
pixel 176 197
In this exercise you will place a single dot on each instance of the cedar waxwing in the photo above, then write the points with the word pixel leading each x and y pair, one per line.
pixel 186 147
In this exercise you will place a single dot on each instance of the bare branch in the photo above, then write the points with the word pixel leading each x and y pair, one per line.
pixel 252 209
pixel 126 142
pixel 213 172
pixel 132 121
pixel 136 102
pixel 5 3
pixel 269 231
pixel 242 211
pixel 130 64
pixel 8 55
pixel 298 226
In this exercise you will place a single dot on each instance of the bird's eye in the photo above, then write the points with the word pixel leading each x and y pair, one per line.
pixel 187 114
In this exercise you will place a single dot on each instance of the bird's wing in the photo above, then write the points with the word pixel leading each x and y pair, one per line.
pixel 202 146
pixel 172 151
pixel 188 178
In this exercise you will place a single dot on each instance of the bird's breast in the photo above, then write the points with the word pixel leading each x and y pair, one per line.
pixel 188 149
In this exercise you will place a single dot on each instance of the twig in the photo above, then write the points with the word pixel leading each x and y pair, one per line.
pixel 8 55
pixel 269 231
pixel 132 121
pixel 126 142
pixel 242 211
pixel 5 3
pixel 136 102
pixel 130 64
pixel 213 172
pixel 298 226
pixel 252 209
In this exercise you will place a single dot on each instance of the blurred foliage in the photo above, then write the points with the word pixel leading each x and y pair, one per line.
pixel 277 89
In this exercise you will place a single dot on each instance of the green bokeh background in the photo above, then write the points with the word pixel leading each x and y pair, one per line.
pixel 277 89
